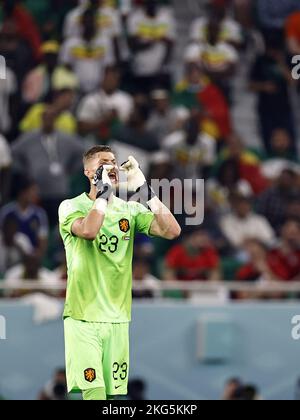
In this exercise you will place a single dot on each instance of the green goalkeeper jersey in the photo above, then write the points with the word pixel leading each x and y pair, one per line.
pixel 100 271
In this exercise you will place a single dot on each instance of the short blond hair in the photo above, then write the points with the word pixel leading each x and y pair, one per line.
pixel 91 153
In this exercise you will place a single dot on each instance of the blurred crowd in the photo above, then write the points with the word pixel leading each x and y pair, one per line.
pixel 123 73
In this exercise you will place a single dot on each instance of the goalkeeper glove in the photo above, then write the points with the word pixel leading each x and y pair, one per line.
pixel 136 181
pixel 103 183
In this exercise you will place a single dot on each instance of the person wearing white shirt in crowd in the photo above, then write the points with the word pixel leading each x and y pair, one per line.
pixel 151 31
pixel 242 224
pixel 88 54
pixel 191 151
pixel 104 105
pixel 29 270
pixel 164 118
pixel 108 22
pixel 5 163
pixel 230 30
pixel 148 285
pixel 217 58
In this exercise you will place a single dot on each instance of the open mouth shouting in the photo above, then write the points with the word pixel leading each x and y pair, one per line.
pixel 113 176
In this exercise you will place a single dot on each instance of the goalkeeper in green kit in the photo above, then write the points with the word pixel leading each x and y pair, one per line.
pixel 98 231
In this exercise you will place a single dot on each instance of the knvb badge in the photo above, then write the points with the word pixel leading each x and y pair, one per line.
pixel 2 328
pixel 2 68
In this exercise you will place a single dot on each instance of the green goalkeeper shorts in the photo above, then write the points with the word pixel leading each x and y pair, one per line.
pixel 97 356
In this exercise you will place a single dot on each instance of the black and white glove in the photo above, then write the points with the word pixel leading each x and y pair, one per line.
pixel 136 181
pixel 103 183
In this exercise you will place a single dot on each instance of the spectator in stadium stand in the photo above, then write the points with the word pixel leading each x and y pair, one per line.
pixel 51 158
pixel 62 103
pixel 142 275
pixel 225 182
pixel 11 248
pixel 192 152
pixel 196 91
pixel 47 77
pixel 106 108
pixel 17 13
pixel 244 14
pixel 265 266
pixel 261 263
pixel 210 223
pixel 287 254
pixel 230 30
pixel 230 388
pixel 151 36
pixel 5 166
pixel 270 79
pixel 24 224
pixel 30 269
pixel 242 223
pixel 137 389
pixel 56 388
pixel 195 258
pixel 88 53
pixel 247 163
pixel 272 203
pixel 165 118
pixel 16 51
pixel 217 59
pixel 272 15
pixel 280 147
pixel 135 139
pixel 280 157
pixel 293 209
pixel 108 23
pixel 214 50
pixel 247 392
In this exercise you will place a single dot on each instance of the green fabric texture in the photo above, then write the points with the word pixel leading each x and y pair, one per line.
pixel 95 394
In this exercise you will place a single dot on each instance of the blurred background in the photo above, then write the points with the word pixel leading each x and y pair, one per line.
pixel 193 89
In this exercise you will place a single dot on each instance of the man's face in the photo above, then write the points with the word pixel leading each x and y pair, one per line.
pixel 193 74
pixel 32 194
pixel 255 250
pixel 161 104
pixel 111 81
pixel 48 120
pixel 100 159
pixel 241 207
pixel 9 36
pixel 151 7
pixel 291 234
pixel 280 141
pixel 64 100
pixel 286 181
pixel 198 240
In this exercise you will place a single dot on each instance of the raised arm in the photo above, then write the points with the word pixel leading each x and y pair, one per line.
pixel 164 224
pixel 89 226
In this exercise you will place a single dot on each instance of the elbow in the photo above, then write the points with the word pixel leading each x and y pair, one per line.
pixel 174 233
pixel 89 235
